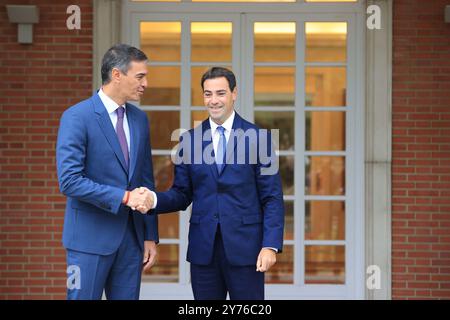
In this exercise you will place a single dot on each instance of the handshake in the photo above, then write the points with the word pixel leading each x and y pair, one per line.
pixel 140 199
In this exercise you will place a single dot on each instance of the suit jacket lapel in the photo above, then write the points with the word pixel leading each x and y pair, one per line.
pixel 105 124
pixel 235 135
pixel 134 137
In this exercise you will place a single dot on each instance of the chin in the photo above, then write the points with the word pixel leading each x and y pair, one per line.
pixel 218 120
pixel 215 117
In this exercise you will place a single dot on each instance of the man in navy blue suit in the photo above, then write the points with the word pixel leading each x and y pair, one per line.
pixel 104 162
pixel 237 221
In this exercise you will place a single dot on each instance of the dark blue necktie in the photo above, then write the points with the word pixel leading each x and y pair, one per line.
pixel 221 149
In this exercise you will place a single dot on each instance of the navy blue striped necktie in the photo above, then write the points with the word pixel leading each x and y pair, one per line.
pixel 221 149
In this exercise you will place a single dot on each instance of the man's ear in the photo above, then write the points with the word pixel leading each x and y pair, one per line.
pixel 234 93
pixel 115 74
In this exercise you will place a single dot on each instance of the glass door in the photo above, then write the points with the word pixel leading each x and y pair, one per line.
pixel 180 49
pixel 300 81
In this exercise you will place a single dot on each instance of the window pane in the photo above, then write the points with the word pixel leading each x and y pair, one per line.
pixel 325 264
pixel 163 87
pixel 243 0
pixel 211 41
pixel 162 124
pixel 325 220
pixel 289 220
pixel 156 0
pixel 161 40
pixel 283 270
pixel 197 117
pixel 287 174
pixel 325 86
pixel 326 41
pixel 196 86
pixel 168 225
pixel 166 266
pixel 162 172
pixel 274 86
pixel 283 121
pixel 331 0
pixel 325 131
pixel 274 41
pixel 325 175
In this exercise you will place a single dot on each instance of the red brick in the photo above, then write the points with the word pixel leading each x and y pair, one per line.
pixel 29 123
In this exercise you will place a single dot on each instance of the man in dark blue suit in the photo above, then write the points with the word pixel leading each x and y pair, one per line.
pixel 237 221
pixel 103 156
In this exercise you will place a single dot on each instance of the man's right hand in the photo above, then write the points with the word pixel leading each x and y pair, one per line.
pixel 140 199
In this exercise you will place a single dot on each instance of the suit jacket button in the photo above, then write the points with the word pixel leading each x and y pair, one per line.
pixel 216 215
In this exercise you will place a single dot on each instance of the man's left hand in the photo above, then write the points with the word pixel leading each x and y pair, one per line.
pixel 266 259
pixel 150 253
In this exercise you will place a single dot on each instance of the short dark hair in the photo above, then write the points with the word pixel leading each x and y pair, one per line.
pixel 120 56
pixel 219 72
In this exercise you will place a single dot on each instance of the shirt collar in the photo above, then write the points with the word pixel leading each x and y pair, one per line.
pixel 109 103
pixel 228 124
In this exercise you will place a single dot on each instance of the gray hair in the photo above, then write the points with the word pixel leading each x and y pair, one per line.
pixel 120 57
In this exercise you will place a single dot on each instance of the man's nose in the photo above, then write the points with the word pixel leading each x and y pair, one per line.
pixel 214 99
pixel 144 82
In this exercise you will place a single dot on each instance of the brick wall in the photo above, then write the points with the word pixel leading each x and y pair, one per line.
pixel 39 82
pixel 421 150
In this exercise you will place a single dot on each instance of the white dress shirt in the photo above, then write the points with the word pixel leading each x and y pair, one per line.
pixel 227 125
pixel 111 107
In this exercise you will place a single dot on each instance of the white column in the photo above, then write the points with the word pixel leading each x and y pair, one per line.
pixel 378 157
pixel 106 33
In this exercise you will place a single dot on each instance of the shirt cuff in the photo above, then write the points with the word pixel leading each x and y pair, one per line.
pixel 274 249
pixel 155 200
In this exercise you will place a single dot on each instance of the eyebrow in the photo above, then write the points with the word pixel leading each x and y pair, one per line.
pixel 217 91
pixel 141 74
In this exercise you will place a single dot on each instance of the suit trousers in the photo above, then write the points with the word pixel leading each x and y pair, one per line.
pixel 119 274
pixel 214 281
